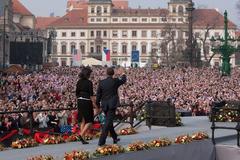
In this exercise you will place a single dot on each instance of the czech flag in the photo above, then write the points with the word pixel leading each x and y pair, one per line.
pixel 106 57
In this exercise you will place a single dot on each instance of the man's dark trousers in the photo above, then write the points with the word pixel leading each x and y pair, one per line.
pixel 108 126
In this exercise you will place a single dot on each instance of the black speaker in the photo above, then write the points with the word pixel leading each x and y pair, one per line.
pixel 161 113
pixel 29 53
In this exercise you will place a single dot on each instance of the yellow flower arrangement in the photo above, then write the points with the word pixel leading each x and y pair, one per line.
pixel 73 138
pixel 137 146
pixel 53 140
pixel 200 136
pixel 24 143
pixel 2 147
pixel 183 139
pixel 77 155
pixel 127 131
pixel 108 150
pixel 163 142
pixel 41 157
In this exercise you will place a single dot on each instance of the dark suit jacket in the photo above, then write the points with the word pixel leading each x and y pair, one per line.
pixel 107 92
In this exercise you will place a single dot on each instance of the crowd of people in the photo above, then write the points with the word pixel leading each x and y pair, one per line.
pixel 190 89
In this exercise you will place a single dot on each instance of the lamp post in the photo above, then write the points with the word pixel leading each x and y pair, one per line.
pixel 52 36
pixel 159 54
pixel 226 50
pixel 4 35
pixel 190 10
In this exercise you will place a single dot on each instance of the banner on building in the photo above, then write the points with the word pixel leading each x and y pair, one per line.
pixel 135 56
pixel 77 58
pixel 135 59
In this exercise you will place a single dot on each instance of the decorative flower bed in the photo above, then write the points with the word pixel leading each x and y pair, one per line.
pixel 127 131
pixel 41 157
pixel 137 146
pixel 183 139
pixel 1 147
pixel 97 134
pixel 90 136
pixel 163 142
pixel 77 155
pixel 53 140
pixel 178 119
pixel 73 138
pixel 24 143
pixel 142 114
pixel 200 136
pixel 108 150
pixel 226 116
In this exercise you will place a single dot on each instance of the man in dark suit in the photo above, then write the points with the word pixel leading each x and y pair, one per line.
pixel 107 94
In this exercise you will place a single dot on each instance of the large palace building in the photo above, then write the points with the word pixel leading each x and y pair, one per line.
pixel 158 34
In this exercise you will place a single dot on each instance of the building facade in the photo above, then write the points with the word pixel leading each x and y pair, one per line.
pixel 6 25
pixel 158 34
pixel 20 26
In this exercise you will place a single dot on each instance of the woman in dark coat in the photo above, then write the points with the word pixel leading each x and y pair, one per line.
pixel 84 93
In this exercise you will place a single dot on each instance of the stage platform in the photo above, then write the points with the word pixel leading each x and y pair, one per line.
pixel 191 125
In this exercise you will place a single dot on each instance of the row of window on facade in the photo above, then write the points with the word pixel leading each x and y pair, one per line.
pixel 143 48
pixel 104 9
pixel 73 34
pixel 144 34
pixel 178 9
pixel 99 9
pixel 99 48
pixel 73 49
pixel 136 20
pixel 63 61
pixel 198 34
pixel 124 33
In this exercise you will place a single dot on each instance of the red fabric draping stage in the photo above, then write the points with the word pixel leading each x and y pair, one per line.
pixel 9 135
pixel 39 136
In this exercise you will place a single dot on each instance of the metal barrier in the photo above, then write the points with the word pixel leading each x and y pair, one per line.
pixel 131 115
pixel 30 111
pixel 124 120
pixel 140 106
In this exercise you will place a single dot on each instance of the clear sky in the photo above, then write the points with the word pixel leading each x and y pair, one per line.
pixel 45 7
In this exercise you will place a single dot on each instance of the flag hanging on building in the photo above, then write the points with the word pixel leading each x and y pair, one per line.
pixel 106 57
pixel 135 56
pixel 76 56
